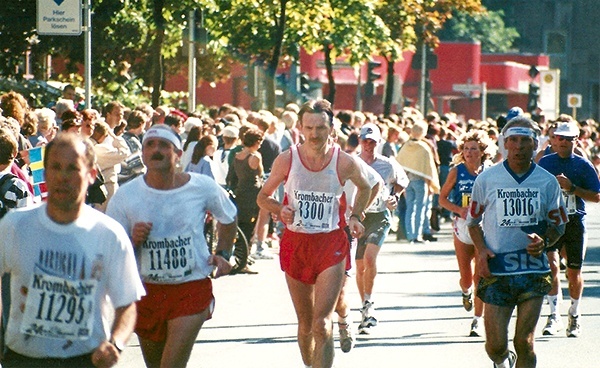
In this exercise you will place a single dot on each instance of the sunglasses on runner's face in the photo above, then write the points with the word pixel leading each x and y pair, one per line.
pixel 561 138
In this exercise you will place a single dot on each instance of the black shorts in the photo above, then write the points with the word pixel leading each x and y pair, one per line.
pixel 574 240
pixel 15 360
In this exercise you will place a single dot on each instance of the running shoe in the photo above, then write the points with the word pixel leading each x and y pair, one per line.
pixel 476 329
pixel 262 254
pixel 367 319
pixel 364 329
pixel 429 238
pixel 512 359
pixel 573 329
pixel 467 300
pixel 553 326
pixel 346 339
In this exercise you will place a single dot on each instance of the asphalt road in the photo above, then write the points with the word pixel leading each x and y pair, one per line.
pixel 418 305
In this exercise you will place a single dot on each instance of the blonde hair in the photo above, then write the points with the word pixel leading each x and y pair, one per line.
pixel 476 135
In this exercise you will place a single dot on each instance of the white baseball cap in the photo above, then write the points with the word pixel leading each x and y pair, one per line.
pixel 569 129
pixel 370 131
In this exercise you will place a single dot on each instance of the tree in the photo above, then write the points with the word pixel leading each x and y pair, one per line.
pixel 352 30
pixel 423 17
pixel 252 31
pixel 489 29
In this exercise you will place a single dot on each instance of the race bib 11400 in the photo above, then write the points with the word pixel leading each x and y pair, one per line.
pixel 517 206
pixel 59 308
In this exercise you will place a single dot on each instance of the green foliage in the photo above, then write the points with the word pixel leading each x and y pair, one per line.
pixel 266 32
pixel 489 29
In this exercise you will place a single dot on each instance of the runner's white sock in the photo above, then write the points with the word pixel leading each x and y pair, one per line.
pixel 574 308
pixel 342 320
pixel 367 296
pixel 553 302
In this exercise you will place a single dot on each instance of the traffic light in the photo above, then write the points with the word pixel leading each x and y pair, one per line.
pixel 281 81
pixel 372 76
pixel 533 97
pixel 304 83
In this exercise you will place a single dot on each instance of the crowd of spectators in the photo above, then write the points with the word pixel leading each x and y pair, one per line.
pixel 214 138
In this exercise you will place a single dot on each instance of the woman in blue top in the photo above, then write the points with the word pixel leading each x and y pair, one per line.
pixel 202 157
pixel 455 196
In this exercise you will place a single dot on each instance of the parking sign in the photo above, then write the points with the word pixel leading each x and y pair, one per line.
pixel 59 17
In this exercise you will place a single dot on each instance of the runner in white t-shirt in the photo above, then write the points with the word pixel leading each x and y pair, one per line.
pixel 163 211
pixel 516 211
pixel 66 260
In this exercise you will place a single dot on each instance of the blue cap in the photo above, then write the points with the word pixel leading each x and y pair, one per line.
pixel 513 113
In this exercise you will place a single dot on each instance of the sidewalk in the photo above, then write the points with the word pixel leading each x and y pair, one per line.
pixel 421 319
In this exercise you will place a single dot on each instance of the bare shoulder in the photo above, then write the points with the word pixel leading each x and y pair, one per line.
pixel 347 165
pixel 282 163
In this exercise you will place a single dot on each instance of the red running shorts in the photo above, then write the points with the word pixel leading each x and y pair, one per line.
pixel 304 256
pixel 166 302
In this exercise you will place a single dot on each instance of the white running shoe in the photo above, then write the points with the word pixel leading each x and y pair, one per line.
pixel 467 301
pixel 573 329
pixel 346 339
pixel 553 326
pixel 476 328
pixel 367 319
pixel 262 254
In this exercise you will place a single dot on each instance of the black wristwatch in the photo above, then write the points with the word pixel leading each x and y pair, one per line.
pixel 224 253
pixel 118 345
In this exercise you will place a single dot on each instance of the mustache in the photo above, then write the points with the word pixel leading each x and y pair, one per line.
pixel 157 156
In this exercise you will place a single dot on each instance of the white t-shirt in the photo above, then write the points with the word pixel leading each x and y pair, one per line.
pixel 369 174
pixel 176 250
pixel 391 173
pixel 510 207
pixel 61 276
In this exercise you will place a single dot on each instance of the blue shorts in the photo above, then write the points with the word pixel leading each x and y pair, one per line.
pixel 377 226
pixel 511 290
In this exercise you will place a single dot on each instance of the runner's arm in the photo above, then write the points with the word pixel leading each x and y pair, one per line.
pixel 107 354
pixel 445 192
pixel 265 199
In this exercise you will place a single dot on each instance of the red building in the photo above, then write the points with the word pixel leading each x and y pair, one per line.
pixel 505 75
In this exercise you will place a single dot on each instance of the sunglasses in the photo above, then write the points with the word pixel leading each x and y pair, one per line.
pixel 561 138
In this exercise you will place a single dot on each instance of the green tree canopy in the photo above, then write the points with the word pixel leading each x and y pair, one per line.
pixel 488 28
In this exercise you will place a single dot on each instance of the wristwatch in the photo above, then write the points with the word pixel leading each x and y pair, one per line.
pixel 117 344
pixel 224 253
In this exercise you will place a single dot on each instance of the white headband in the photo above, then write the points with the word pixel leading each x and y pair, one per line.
pixel 520 131
pixel 163 132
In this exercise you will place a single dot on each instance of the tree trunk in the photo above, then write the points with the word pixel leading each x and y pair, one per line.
pixel 389 87
pixel 156 56
pixel 274 62
pixel 329 68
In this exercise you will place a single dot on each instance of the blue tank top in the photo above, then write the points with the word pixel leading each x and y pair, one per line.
pixel 463 186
